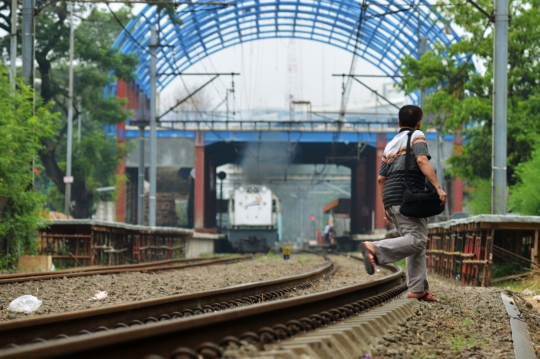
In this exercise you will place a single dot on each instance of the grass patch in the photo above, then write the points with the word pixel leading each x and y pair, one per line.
pixel 269 257
pixel 468 322
pixel 520 284
pixel 459 342
pixel 304 258
pixel 401 263
pixel 240 266
pixel 430 354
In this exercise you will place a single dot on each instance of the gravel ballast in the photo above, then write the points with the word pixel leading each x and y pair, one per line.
pixel 469 322
pixel 71 294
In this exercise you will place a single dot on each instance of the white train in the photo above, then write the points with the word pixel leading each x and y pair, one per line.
pixel 254 219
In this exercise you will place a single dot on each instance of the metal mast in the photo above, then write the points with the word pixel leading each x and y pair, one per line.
pixel 68 179
pixel 153 139
pixel 500 99
pixel 28 41
pixel 13 54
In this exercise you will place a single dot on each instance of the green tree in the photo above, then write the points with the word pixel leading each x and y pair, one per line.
pixel 94 37
pixel 95 32
pixel 461 97
pixel 22 134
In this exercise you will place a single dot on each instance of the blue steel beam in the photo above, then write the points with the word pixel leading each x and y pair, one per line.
pixel 383 42
pixel 280 136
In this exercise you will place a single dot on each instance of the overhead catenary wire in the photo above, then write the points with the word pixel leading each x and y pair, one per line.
pixel 166 58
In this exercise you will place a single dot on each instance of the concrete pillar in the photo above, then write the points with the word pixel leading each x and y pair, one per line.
pixel 379 207
pixel 360 211
pixel 210 219
pixel 205 186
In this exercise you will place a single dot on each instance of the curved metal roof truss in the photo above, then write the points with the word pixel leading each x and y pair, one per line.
pixel 385 38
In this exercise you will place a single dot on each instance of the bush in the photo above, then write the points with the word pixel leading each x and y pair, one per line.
pixel 23 134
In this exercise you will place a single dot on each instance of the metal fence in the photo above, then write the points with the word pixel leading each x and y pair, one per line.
pixel 86 243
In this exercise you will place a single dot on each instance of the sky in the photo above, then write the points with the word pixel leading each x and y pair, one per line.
pixel 266 77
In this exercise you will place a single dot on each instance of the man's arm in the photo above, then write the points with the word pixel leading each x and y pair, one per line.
pixel 428 171
pixel 381 181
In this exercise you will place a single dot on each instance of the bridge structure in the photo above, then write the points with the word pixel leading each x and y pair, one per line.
pixel 381 32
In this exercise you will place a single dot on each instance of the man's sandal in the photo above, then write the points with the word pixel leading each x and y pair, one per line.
pixel 369 258
pixel 426 297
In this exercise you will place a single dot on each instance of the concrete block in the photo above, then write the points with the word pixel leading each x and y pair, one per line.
pixel 197 246
pixel 35 263
pixel 303 350
pixel 279 354
pixel 348 334
pixel 324 341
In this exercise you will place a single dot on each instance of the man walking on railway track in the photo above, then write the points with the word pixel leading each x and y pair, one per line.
pixel 412 243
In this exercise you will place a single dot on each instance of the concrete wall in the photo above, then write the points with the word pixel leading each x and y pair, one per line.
pixel 171 152
pixel 197 246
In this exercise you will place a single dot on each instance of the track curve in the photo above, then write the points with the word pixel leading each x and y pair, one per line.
pixel 162 338
pixel 68 324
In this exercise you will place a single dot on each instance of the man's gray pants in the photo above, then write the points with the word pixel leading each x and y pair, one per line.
pixel 411 245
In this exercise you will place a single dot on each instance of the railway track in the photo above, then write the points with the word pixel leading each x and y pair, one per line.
pixel 137 313
pixel 106 270
pixel 261 323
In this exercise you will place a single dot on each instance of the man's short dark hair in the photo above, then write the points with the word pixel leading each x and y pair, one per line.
pixel 410 115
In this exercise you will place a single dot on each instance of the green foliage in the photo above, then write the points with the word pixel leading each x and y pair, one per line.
pixel 507 269
pixel 479 200
pixel 525 196
pixel 96 157
pixel 461 98
pixel 21 133
pixel 96 160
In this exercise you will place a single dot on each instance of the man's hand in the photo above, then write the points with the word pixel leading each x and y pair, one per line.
pixel 442 195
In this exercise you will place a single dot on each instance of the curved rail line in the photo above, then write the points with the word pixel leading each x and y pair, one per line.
pixel 103 319
pixel 105 270
pixel 275 319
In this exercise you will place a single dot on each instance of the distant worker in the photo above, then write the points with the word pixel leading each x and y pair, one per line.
pixel 327 231
pixel 412 243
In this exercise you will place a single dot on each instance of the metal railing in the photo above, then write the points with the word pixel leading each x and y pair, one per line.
pixel 280 126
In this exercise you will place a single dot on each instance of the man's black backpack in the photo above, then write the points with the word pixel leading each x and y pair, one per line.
pixel 418 203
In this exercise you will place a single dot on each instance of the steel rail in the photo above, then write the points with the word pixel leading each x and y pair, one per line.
pixel 104 270
pixel 96 268
pixel 67 324
pixel 163 338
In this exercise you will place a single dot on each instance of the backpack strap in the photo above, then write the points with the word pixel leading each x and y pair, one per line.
pixel 408 154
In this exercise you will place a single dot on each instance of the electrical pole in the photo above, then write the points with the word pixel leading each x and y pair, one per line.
pixel 13 64
pixel 153 139
pixel 140 182
pixel 500 92
pixel 28 42
pixel 68 179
